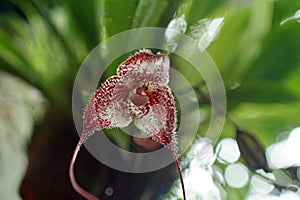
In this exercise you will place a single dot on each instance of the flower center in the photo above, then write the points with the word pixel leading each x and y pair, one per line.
pixel 138 99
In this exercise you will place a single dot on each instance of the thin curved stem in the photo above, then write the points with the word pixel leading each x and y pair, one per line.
pixel 74 183
pixel 180 176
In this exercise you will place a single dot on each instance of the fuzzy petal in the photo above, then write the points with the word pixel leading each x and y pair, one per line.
pixel 107 107
pixel 160 122
pixel 144 66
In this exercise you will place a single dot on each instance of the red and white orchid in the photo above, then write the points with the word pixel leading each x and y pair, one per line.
pixel 139 93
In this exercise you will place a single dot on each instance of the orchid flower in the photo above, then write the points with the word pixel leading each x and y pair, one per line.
pixel 139 93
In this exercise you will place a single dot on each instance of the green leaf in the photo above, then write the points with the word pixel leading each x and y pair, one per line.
pixel 239 43
pixel 204 8
pixel 266 120
pixel 149 13
pixel 280 55
pixel 83 21
pixel 118 16
pixel 260 92
pixel 119 137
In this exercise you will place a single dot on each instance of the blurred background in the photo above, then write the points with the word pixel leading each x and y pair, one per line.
pixel 254 43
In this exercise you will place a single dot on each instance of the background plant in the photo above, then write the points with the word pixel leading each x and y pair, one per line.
pixel 42 45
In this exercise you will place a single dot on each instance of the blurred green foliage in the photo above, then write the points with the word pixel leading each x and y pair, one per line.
pixel 44 43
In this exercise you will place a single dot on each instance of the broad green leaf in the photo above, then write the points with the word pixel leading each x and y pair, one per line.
pixel 279 56
pixel 12 54
pixel 204 8
pixel 121 139
pixel 283 10
pixel 266 120
pixel 240 39
pixel 83 21
pixel 194 10
pixel 292 82
pixel 261 92
pixel 118 16
pixel 149 13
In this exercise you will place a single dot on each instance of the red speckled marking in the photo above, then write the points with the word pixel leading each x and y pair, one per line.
pixel 163 125
pixel 139 93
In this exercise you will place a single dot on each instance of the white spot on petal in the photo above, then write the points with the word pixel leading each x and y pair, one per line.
pixel 152 122
pixel 117 114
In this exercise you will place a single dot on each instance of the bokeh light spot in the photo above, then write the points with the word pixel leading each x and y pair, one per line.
pixel 276 155
pixel 260 186
pixel 228 150
pixel 236 175
pixel 293 146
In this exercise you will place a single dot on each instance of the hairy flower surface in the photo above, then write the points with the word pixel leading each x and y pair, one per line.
pixel 138 93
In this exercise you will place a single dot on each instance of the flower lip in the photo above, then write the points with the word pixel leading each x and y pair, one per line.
pixel 138 99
